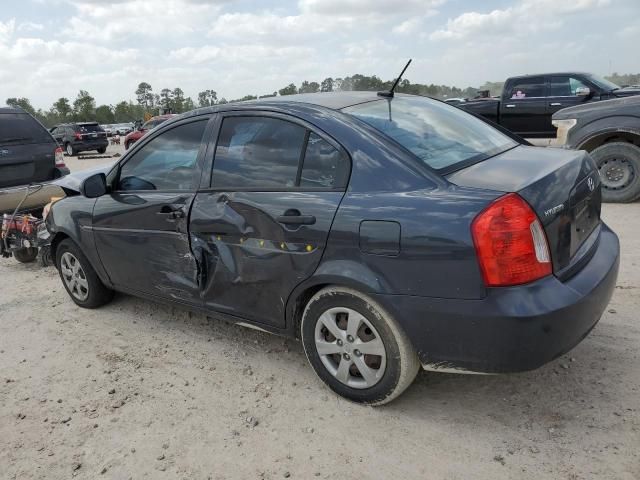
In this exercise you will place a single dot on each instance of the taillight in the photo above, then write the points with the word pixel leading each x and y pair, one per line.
pixel 511 245
pixel 59 155
pixel 78 136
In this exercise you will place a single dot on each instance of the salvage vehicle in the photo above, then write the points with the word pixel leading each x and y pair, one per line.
pixel 152 123
pixel 81 137
pixel 29 159
pixel 528 101
pixel 610 131
pixel 386 231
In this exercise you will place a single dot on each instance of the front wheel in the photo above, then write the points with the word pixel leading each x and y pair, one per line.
pixel 102 149
pixel 79 278
pixel 619 167
pixel 70 150
pixel 356 347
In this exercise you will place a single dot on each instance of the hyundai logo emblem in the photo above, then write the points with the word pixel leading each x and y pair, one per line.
pixel 4 152
pixel 591 184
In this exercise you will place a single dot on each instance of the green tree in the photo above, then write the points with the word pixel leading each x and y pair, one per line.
pixel 177 100
pixel 144 95
pixel 207 98
pixel 104 114
pixel 188 105
pixel 62 108
pixel 309 87
pixel 327 85
pixel 22 103
pixel 288 90
pixel 84 106
pixel 166 99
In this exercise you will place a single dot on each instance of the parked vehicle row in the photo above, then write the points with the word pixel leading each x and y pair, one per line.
pixel 386 232
pixel 118 129
pixel 528 102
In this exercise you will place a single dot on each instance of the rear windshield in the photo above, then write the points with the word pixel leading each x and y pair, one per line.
pixel 88 127
pixel 20 128
pixel 440 135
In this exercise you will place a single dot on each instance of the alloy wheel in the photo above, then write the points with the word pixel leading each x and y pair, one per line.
pixel 74 276
pixel 69 150
pixel 350 347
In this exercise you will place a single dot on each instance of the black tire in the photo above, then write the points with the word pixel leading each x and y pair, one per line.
pixel 401 361
pixel 619 167
pixel 102 149
pixel 26 255
pixel 69 151
pixel 97 293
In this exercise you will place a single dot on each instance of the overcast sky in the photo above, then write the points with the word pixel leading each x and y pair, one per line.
pixel 53 48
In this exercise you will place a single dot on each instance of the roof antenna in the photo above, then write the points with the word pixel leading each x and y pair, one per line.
pixel 389 94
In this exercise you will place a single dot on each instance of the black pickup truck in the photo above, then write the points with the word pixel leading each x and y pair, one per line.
pixel 528 101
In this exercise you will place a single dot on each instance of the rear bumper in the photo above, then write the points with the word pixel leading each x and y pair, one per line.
pixel 80 146
pixel 511 329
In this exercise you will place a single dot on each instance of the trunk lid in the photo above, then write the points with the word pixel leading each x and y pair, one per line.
pixel 562 186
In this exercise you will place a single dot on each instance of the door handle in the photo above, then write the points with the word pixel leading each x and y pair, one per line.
pixel 294 217
pixel 511 105
pixel 555 104
pixel 172 211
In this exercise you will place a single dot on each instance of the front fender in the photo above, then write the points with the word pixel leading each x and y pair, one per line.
pixel 72 217
pixel 604 126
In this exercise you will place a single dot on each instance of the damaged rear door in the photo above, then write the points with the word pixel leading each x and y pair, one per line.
pixel 261 226
pixel 141 226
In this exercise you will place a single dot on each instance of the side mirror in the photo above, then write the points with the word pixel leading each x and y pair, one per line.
pixel 94 186
pixel 583 91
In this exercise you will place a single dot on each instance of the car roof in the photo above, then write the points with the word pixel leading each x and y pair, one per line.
pixel 12 110
pixel 550 74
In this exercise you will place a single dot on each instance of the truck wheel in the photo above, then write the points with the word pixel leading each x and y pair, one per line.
pixel 79 278
pixel 356 347
pixel 70 151
pixel 102 149
pixel 619 166
pixel 26 255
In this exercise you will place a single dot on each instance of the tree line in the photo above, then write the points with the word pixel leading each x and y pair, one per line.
pixel 149 103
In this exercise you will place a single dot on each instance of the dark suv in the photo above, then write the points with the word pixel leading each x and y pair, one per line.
pixel 80 137
pixel 28 153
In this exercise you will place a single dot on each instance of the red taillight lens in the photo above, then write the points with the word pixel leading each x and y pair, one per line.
pixel 78 136
pixel 59 155
pixel 510 243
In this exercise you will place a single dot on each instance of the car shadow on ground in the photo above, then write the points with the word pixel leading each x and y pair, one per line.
pixel 572 391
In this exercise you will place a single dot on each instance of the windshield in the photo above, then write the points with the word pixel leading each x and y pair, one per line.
pixel 440 135
pixel 603 83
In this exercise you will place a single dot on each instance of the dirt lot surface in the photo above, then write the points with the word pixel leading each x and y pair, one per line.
pixel 140 390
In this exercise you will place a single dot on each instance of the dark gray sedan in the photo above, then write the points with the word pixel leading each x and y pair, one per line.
pixel 388 233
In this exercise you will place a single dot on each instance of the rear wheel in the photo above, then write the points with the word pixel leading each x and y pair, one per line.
pixel 127 145
pixel 102 149
pixel 619 167
pixel 26 255
pixel 70 151
pixel 79 278
pixel 356 347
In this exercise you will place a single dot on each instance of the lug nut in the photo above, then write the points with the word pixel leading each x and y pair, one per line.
pixel 349 338
pixel 357 353
pixel 339 342
pixel 346 356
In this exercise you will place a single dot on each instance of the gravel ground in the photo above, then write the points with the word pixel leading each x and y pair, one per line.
pixel 140 390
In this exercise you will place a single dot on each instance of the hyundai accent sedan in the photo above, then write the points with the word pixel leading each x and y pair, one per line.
pixel 386 232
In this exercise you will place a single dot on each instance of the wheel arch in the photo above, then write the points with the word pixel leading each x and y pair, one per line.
pixel 609 135
pixel 332 274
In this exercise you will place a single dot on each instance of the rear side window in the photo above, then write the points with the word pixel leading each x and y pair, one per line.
pixel 167 162
pixel 20 128
pixel 527 88
pixel 87 128
pixel 257 152
pixel 324 166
